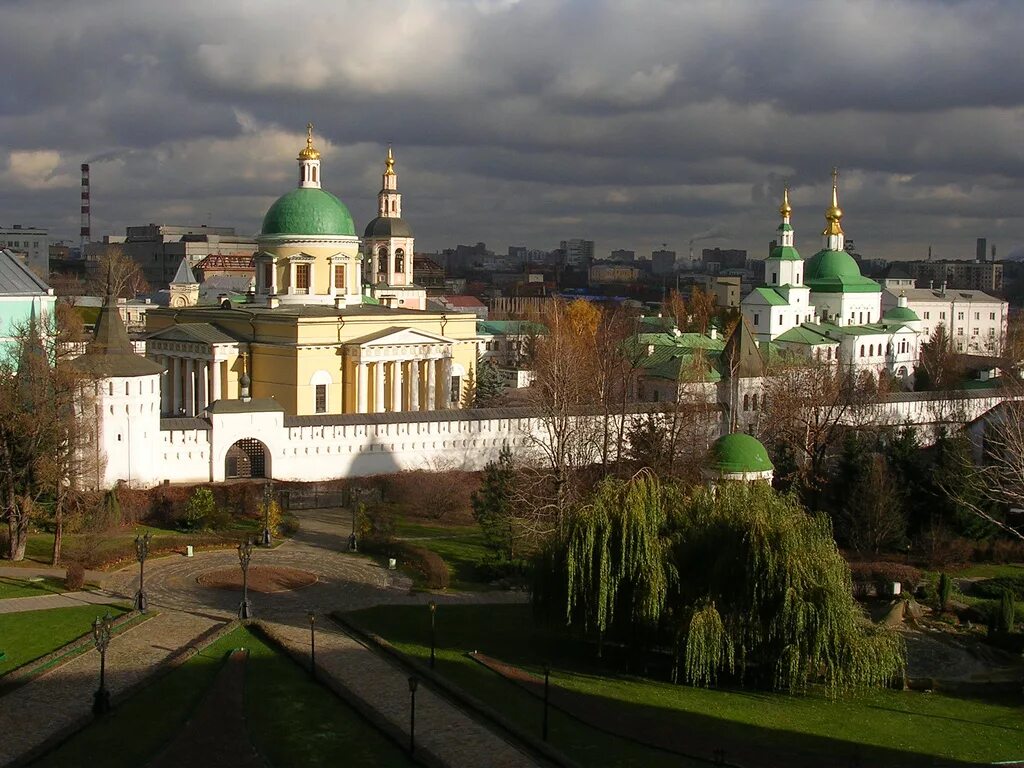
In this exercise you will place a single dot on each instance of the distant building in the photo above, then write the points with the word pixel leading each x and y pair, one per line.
pixel 577 251
pixel 614 273
pixel 976 322
pixel 159 248
pixel 726 290
pixel 970 275
pixel 428 273
pixel 720 259
pixel 896 277
pixel 663 262
pixel 458 304
pixel 517 252
pixel 30 244
pixel 23 296
pixel 623 256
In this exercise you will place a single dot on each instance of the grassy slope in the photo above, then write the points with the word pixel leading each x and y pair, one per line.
pixel 29 635
pixel 293 721
pixel 461 547
pixel 925 724
pixel 11 587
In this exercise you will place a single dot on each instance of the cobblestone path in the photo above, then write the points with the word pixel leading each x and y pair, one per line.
pixel 448 732
pixel 62 600
pixel 59 699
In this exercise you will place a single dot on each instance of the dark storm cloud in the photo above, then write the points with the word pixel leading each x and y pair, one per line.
pixel 632 123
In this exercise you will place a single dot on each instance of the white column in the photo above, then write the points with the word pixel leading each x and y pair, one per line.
pixel 414 385
pixel 446 382
pixel 215 382
pixel 361 372
pixel 396 386
pixel 431 384
pixel 378 386
pixel 190 387
pixel 166 388
pixel 204 386
pixel 176 385
pixel 391 265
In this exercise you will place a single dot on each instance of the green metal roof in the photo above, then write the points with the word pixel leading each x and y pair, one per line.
pixel 803 334
pixel 308 211
pixel 784 227
pixel 370 300
pixel 900 314
pixel 785 253
pixel 506 327
pixel 737 453
pixel 771 296
pixel 837 272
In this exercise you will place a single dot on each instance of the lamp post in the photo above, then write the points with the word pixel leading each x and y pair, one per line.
pixel 413 682
pixel 244 555
pixel 312 643
pixel 433 630
pixel 101 637
pixel 268 497
pixel 547 681
pixel 141 553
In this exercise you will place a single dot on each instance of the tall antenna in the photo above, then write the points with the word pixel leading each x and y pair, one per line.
pixel 86 209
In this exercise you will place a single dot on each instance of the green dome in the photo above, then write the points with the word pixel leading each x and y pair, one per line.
pixel 739 453
pixel 308 211
pixel 827 265
pixel 901 314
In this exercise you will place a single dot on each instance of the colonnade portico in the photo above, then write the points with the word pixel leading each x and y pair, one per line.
pixel 190 384
pixel 403 385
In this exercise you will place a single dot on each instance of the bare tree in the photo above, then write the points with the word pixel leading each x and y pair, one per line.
pixel 117 274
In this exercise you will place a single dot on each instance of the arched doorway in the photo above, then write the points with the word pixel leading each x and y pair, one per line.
pixel 246 458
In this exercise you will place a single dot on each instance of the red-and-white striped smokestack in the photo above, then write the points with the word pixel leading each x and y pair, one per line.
pixel 86 211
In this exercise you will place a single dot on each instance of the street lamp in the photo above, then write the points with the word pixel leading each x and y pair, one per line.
pixel 433 630
pixel 101 637
pixel 312 643
pixel 244 555
pixel 268 497
pixel 141 553
pixel 413 682
pixel 547 682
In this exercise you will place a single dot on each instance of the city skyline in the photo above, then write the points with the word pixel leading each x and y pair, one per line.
pixel 526 123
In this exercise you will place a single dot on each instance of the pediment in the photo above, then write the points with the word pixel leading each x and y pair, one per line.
pixel 399 337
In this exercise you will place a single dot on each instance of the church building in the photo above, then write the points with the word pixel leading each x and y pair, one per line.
pixel 335 325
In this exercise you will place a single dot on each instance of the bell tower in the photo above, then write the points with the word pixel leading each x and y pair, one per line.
pixel 388 247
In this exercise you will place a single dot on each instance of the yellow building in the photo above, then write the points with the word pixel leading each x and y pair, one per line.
pixel 310 338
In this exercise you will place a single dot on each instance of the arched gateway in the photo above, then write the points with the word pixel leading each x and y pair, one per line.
pixel 247 458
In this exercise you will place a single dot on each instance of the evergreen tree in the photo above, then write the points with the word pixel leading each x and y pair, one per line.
pixel 487 384
pixel 493 507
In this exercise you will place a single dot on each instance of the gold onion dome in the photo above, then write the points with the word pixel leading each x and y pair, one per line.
pixel 834 213
pixel 785 209
pixel 389 163
pixel 309 152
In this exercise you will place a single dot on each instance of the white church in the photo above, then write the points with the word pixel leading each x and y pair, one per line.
pixel 826 309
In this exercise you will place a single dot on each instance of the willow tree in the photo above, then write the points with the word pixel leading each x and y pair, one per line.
pixel 737 580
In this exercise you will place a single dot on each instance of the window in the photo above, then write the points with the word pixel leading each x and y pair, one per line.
pixel 757 319
pixel 869 317
pixel 775 277
pixel 959 315
pixel 991 315
pixel 927 315
pixel 399 260
pixel 456 383
pixel 782 319
pixel 746 402
pixel 862 350
pixel 321 398
pixel 991 333
pixel 942 315
pixel 753 401
pixel 302 277
pixel 977 315
pixel 974 332
pixel 339 278
pixel 860 318
pixel 960 331
pixel 268 277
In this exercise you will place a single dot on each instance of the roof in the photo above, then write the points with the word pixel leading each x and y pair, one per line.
pixel 110 353
pixel 785 253
pixel 308 211
pixel 739 453
pixel 387 226
pixel 741 357
pixel 201 332
pixel 463 301
pixel 896 272
pixel 17 279
pixel 771 296
pixel 831 271
pixel 902 314
pixel 184 274
pixel 805 334
pixel 256 405
pixel 936 294
pixel 509 327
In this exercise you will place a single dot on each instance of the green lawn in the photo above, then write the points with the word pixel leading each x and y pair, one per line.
pixel 293 721
pixel 26 636
pixel 462 548
pixel 991 570
pixel 11 587
pixel 883 727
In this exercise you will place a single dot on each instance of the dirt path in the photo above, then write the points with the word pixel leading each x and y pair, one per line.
pixel 216 734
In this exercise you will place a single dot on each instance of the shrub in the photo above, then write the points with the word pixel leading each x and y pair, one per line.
pixel 200 508
pixel 374 524
pixel 882 574
pixel 994 588
pixel 219 519
pixel 431 565
pixel 1007 613
pixel 945 589
pixel 436 495
pixel 75 577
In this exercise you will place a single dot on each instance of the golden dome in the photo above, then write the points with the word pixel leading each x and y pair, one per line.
pixel 309 152
pixel 785 209
pixel 834 213
pixel 389 163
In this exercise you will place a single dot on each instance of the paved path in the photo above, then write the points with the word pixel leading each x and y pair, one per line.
pixel 57 699
pixel 62 600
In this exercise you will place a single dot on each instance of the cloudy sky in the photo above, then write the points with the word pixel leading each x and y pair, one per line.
pixel 630 122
